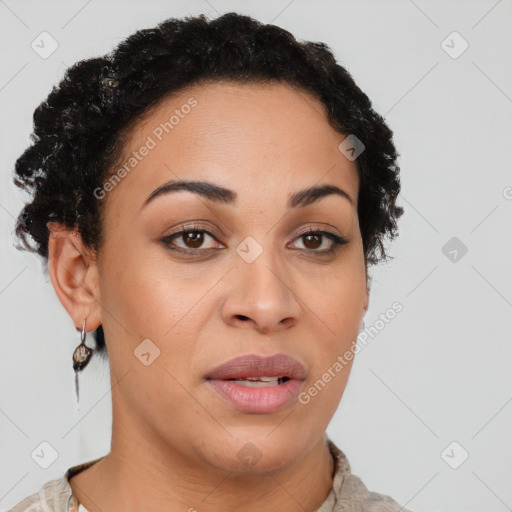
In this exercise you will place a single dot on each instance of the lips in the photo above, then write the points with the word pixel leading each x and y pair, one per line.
pixel 253 366
pixel 256 384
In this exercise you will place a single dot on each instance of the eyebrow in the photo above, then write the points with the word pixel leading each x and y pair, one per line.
pixel 219 194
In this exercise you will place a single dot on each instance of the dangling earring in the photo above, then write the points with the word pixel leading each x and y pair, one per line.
pixel 81 357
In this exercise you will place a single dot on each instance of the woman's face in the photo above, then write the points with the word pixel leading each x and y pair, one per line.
pixel 244 280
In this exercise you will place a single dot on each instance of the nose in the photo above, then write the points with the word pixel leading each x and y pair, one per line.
pixel 261 295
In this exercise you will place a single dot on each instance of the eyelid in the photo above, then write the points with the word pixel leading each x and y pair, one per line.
pixel 192 226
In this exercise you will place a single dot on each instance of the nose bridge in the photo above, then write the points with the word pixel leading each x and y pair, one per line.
pixel 261 290
pixel 260 266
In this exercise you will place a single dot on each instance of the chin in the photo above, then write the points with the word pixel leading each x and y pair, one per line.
pixel 257 451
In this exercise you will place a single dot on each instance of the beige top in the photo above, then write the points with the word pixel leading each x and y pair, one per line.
pixel 348 493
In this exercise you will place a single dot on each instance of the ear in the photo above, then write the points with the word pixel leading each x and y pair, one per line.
pixel 74 274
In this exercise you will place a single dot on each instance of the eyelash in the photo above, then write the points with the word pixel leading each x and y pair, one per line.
pixel 338 241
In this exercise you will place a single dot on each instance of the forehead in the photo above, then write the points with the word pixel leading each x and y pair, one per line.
pixel 254 138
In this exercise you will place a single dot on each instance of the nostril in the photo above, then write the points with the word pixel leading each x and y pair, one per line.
pixel 242 317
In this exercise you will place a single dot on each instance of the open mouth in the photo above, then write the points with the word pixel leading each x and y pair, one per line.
pixel 258 382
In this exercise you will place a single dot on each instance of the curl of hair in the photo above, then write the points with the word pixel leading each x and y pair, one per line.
pixel 81 127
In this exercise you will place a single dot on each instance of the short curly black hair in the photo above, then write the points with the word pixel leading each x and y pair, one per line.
pixel 81 127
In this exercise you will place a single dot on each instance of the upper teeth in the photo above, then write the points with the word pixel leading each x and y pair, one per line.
pixel 264 379
pixel 260 381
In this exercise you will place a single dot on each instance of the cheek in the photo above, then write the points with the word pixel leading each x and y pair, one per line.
pixel 339 302
pixel 336 314
pixel 144 291
pixel 150 299
pixel 143 300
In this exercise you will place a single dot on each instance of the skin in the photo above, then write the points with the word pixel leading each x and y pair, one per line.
pixel 174 440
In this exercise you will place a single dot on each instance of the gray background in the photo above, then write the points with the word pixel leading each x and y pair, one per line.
pixel 440 371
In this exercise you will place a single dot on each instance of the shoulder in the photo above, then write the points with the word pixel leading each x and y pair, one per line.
pixel 355 497
pixel 351 495
pixel 53 496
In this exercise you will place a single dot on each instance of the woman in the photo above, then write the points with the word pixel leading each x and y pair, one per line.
pixel 209 197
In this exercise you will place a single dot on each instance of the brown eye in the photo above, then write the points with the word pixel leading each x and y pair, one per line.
pixel 190 241
pixel 194 238
pixel 312 241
